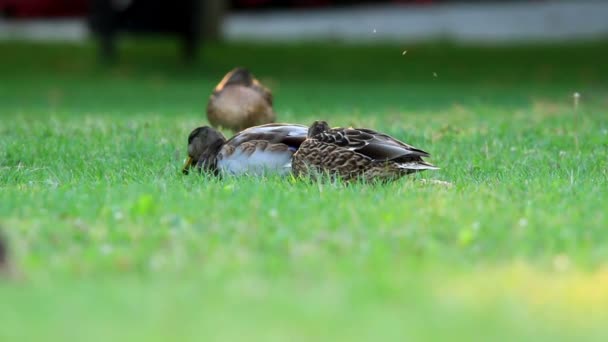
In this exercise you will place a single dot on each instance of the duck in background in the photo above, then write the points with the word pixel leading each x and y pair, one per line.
pixel 356 153
pixel 240 101
pixel 256 151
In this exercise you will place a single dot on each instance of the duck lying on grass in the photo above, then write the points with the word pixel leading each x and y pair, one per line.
pixel 356 153
pixel 240 101
pixel 255 151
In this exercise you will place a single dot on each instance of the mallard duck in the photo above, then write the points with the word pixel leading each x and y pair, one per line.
pixel 240 101
pixel 356 153
pixel 254 151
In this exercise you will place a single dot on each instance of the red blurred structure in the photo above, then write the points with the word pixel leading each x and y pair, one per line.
pixel 43 8
pixel 79 8
pixel 261 4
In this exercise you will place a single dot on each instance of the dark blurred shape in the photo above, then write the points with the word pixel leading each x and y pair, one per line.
pixel 108 18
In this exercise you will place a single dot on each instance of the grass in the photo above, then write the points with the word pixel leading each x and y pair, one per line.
pixel 110 241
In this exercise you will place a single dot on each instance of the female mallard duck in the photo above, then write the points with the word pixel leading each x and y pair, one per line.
pixel 254 151
pixel 240 101
pixel 356 153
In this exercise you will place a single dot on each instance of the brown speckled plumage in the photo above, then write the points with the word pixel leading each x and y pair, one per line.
pixel 356 153
pixel 240 101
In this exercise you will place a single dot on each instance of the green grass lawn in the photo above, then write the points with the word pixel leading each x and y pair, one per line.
pixel 110 241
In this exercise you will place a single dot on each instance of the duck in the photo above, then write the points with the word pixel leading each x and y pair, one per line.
pixel 356 153
pixel 240 101
pixel 255 151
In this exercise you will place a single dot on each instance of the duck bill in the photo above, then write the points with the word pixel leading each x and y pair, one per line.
pixel 187 166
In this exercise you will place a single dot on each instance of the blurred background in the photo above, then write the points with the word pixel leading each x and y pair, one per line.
pixel 195 21
pixel 417 53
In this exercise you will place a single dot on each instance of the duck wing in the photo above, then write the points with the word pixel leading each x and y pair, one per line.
pixel 261 149
pixel 375 145
pixel 290 135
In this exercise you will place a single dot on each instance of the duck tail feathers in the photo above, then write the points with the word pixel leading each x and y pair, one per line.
pixel 417 165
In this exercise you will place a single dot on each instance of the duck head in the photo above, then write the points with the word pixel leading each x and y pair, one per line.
pixel 318 127
pixel 204 143
pixel 238 76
